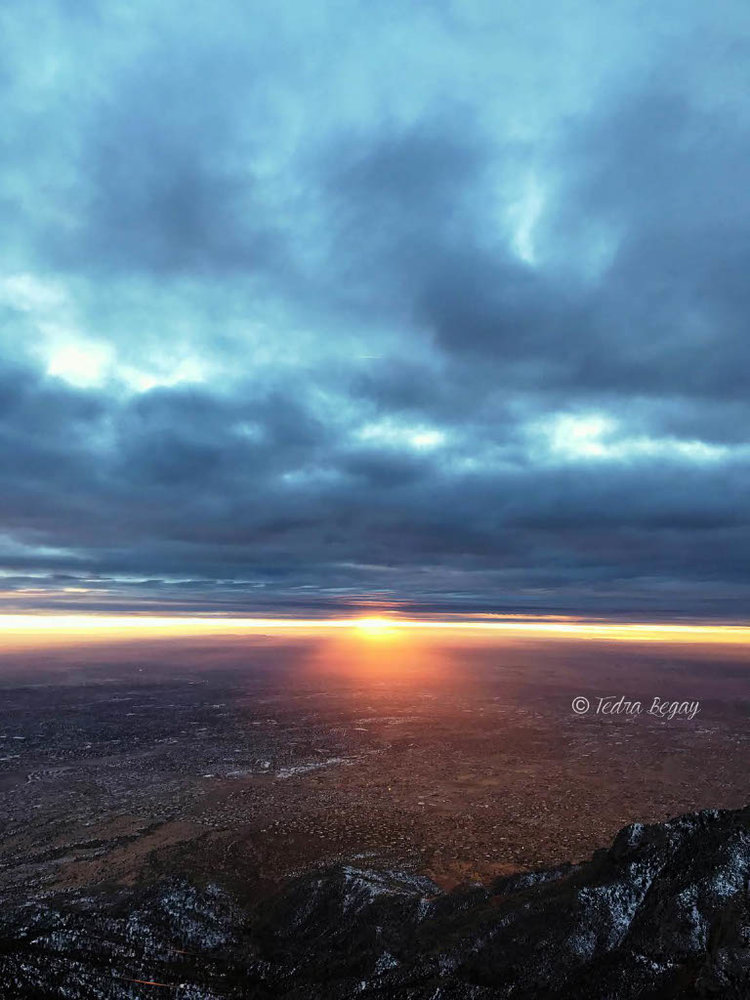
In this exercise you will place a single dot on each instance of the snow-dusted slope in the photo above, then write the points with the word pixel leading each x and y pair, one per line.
pixel 664 912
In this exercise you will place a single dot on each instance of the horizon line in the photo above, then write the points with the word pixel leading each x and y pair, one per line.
pixel 553 625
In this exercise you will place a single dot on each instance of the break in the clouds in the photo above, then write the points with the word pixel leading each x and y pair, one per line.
pixel 436 305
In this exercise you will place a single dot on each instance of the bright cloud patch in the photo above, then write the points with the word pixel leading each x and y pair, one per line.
pixel 393 435
pixel 598 437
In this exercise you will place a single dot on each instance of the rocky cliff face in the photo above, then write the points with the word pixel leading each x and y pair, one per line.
pixel 664 912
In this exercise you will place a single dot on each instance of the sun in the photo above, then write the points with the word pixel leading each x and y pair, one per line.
pixel 373 626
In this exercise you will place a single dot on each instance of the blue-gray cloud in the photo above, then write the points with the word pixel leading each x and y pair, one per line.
pixel 441 305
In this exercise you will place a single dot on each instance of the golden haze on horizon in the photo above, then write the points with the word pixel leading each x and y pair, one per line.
pixel 81 626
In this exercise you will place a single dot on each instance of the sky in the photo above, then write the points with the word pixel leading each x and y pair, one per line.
pixel 431 306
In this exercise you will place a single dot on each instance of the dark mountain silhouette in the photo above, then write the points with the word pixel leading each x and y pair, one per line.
pixel 664 912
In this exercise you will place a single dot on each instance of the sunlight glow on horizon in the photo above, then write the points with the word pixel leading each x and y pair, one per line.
pixel 101 626
pixel 375 626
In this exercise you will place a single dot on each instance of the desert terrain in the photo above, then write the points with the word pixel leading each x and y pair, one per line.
pixel 243 760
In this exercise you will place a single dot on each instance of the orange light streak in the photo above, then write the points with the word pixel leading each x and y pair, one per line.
pixel 123 626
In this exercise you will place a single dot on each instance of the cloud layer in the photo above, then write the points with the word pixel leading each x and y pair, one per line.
pixel 440 306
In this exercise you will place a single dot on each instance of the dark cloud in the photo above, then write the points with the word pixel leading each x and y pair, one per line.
pixel 176 493
pixel 167 180
pixel 297 316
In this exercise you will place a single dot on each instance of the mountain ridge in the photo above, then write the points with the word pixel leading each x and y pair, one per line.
pixel 663 912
